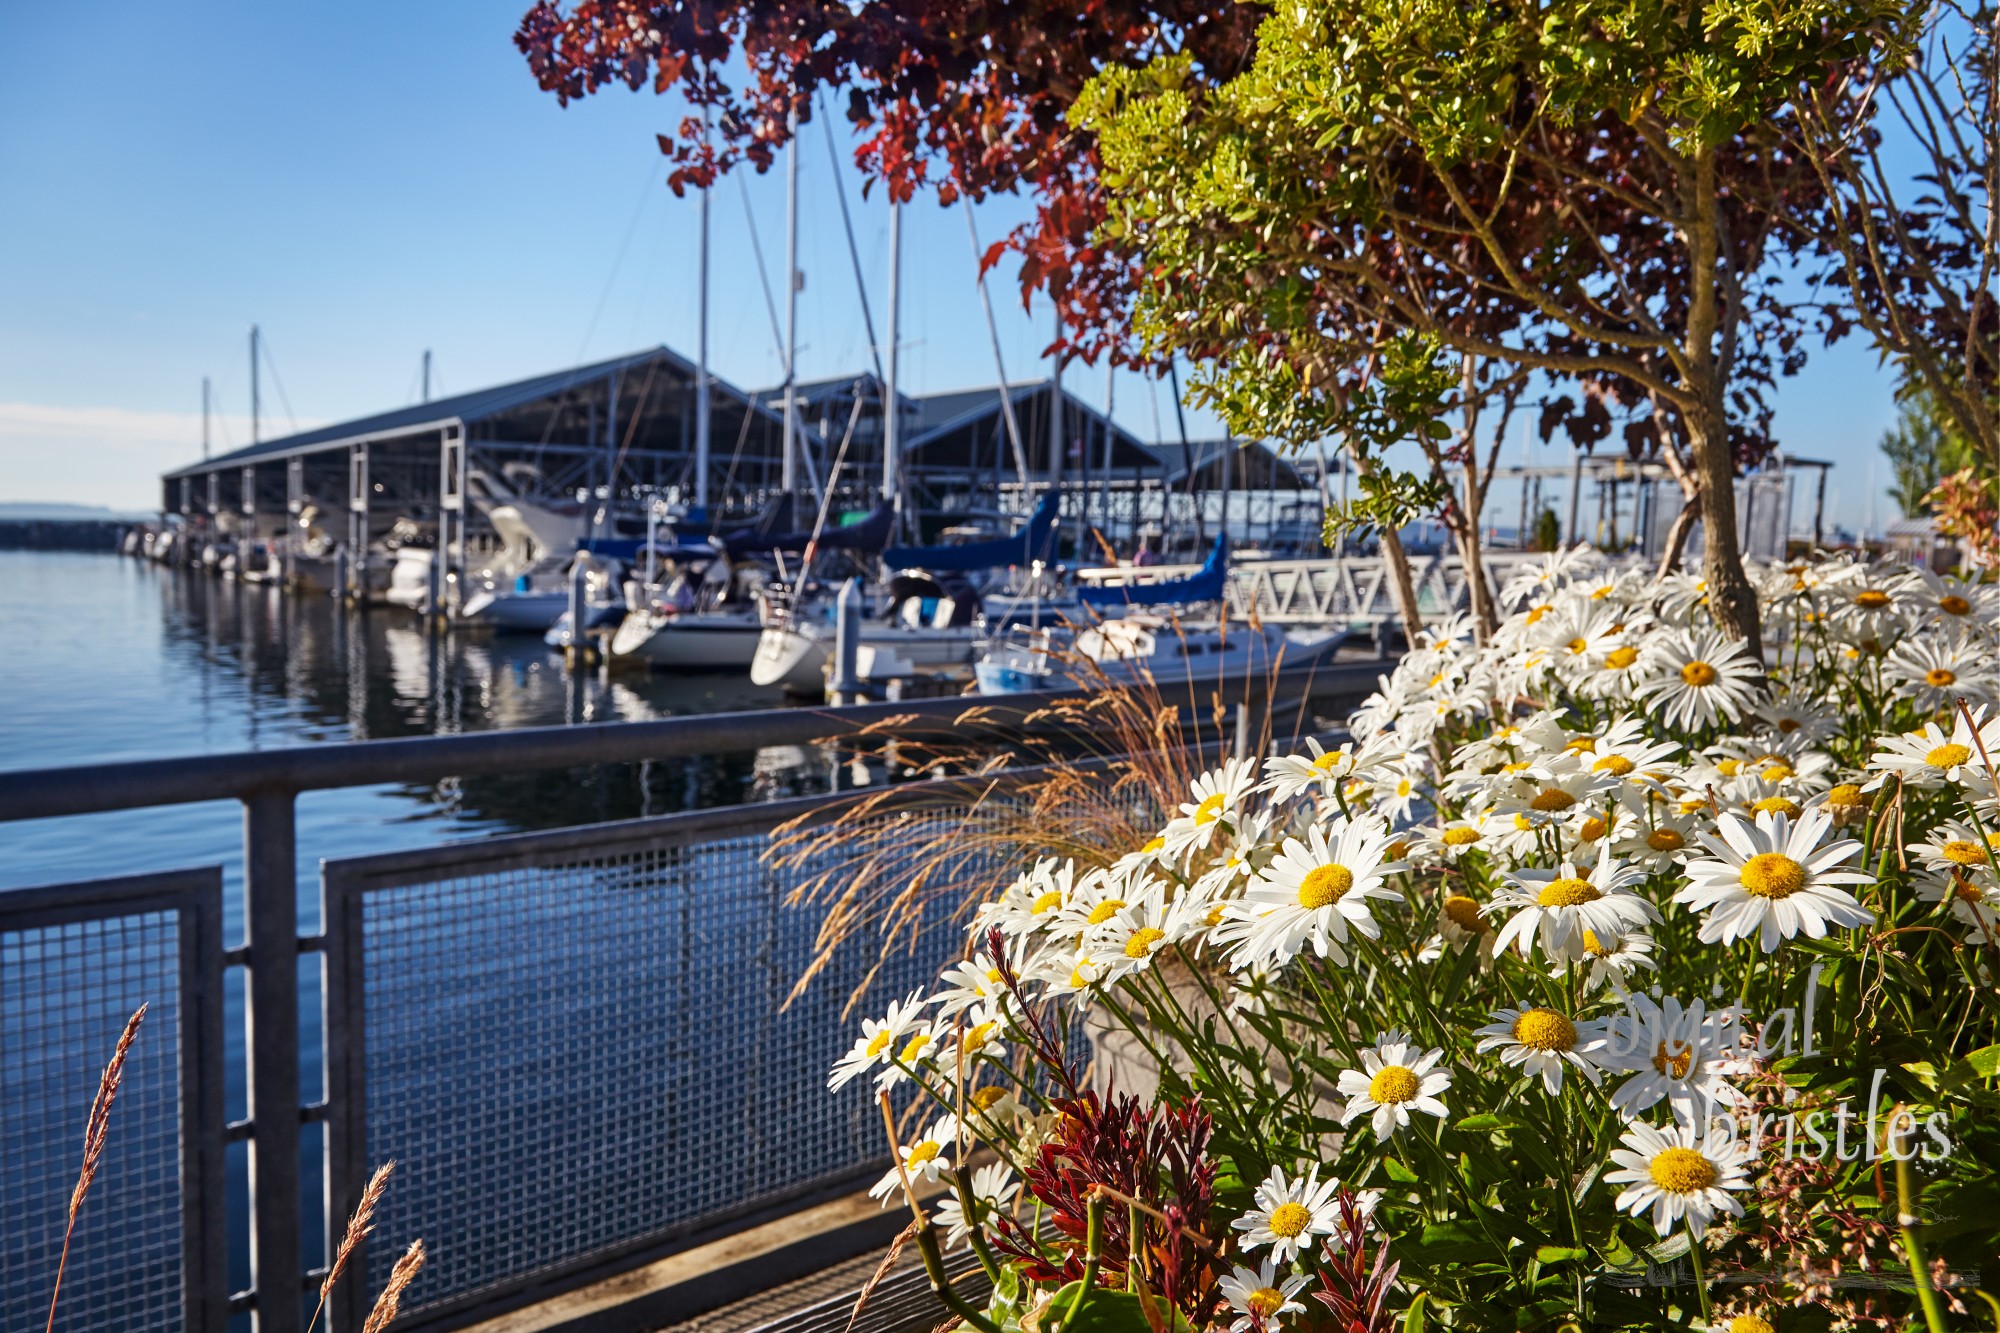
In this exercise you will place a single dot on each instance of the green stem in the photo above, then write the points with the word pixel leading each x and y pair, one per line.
pixel 1092 1245
pixel 1920 1270
pixel 927 1247
pixel 1700 1282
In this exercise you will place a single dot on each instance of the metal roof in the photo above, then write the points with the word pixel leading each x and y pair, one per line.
pixel 468 408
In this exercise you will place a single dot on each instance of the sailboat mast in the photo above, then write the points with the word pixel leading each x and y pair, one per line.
pixel 204 417
pixel 701 402
pixel 892 415
pixel 427 374
pixel 789 476
pixel 256 401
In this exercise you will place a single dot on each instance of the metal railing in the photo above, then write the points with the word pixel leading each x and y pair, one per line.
pixel 431 960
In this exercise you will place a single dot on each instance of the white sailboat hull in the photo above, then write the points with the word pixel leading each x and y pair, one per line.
pixel 796 657
pixel 695 641
pixel 525 612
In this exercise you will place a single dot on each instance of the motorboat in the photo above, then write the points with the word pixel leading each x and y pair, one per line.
pixel 702 616
pixel 1143 646
pixel 930 615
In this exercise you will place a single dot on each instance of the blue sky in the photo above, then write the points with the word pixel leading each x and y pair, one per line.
pixel 367 180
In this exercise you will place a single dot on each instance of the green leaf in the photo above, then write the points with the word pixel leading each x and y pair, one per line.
pixel 1104 1311
pixel 1560 1254
pixel 1985 1061
pixel 1413 1322
pixel 1399 1173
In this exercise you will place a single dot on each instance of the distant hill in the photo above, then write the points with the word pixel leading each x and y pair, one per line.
pixel 40 511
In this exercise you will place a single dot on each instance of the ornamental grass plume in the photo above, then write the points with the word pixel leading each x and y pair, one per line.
pixel 96 1133
pixel 358 1227
pixel 400 1277
pixel 1101 767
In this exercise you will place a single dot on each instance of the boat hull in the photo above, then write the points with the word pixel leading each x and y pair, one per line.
pixel 515 612
pixel 692 642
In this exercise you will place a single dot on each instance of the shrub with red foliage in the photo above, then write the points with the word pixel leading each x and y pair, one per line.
pixel 1157 1156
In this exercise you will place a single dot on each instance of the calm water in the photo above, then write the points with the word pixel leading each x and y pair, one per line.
pixel 111 659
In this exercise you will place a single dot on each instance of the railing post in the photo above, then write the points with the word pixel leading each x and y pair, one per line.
pixel 271 1043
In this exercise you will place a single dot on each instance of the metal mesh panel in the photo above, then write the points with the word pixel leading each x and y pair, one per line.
pixel 66 991
pixel 567 1060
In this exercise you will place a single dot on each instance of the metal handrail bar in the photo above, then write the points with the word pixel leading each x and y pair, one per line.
pixel 243 776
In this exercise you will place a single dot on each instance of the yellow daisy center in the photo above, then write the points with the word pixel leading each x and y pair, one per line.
pixel 1949 755
pixel 1577 645
pixel 1392 1085
pixel 1871 599
pixel 1778 772
pixel 1954 605
pixel 1682 1171
pixel 1777 805
pixel 1772 875
pixel 1846 796
pixel 1288 1219
pixel 1535 614
pixel 1142 942
pixel 1581 745
pixel 1568 891
pixel 1156 845
pixel 1964 889
pixel 1105 910
pixel 1463 912
pixel 1665 840
pixel 923 1152
pixel 1698 675
pixel 1749 1323
pixel 913 1050
pixel 1593 829
pixel 1324 886
pixel 1459 837
pixel 993 976
pixel 1265 1301
pixel 1327 762
pixel 1551 799
pixel 1545 1030
pixel 1939 677
pixel 879 1043
pixel 1398 849
pixel 1729 768
pixel 1963 853
pixel 1674 1063
pixel 1617 765
pixel 1211 808
pixel 1048 902
pixel 1079 976
pixel 1788 725
pixel 987 1098
pixel 975 1037
pixel 1593 946
pixel 1620 658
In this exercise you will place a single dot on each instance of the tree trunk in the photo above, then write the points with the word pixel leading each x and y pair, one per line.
pixel 1401 588
pixel 1677 536
pixel 1485 619
pixel 1731 599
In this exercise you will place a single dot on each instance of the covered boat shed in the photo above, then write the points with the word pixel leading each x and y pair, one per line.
pixel 605 429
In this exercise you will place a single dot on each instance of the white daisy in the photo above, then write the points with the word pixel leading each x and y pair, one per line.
pixel 1541 1040
pixel 1682 1055
pixel 878 1039
pixel 1215 798
pixel 1315 891
pixel 1558 905
pixel 993 1191
pixel 1609 960
pixel 1958 870
pixel 1394 1079
pixel 1932 757
pixel 1260 1296
pixel 1290 1213
pixel 1289 776
pixel 925 1160
pixel 1700 679
pixel 1773 879
pixel 1681 1174
pixel 1937 671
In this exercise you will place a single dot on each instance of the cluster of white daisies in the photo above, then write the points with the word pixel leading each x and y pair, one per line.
pixel 1543 799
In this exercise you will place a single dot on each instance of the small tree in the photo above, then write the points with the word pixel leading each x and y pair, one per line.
pixel 1911 217
pixel 1923 448
pixel 1569 189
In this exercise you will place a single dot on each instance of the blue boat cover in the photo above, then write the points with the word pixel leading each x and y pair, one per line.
pixel 868 536
pixel 1204 585
pixel 1035 541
